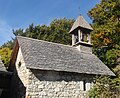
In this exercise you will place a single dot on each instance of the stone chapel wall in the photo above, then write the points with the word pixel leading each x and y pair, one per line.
pixel 51 84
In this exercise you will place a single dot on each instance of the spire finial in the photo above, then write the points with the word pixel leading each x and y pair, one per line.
pixel 79 10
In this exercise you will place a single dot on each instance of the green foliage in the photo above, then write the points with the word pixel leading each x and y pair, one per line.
pixel 57 31
pixel 105 87
pixel 111 57
pixel 105 21
pixel 9 44
pixel 18 32
pixel 5 54
pixel 106 42
pixel 106 34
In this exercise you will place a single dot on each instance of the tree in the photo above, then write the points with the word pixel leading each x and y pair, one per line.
pixel 8 44
pixel 57 31
pixel 5 54
pixel 106 34
pixel 106 42
pixel 18 32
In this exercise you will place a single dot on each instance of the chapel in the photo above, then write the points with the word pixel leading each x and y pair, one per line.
pixel 43 69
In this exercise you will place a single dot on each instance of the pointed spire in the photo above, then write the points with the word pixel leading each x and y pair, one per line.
pixel 80 22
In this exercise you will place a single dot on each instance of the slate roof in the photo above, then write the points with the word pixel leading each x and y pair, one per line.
pixel 80 22
pixel 45 55
pixel 2 67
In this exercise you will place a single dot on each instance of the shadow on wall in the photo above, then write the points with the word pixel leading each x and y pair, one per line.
pixel 43 75
pixel 18 90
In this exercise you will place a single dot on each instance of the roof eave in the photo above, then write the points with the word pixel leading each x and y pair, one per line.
pixel 72 30
pixel 88 73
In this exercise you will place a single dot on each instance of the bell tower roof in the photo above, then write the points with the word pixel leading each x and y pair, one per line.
pixel 80 22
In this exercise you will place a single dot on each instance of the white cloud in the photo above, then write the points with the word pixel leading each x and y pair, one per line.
pixel 5 32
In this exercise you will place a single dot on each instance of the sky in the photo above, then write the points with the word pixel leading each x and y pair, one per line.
pixel 15 14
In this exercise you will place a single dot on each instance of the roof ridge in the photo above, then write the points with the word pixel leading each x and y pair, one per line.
pixel 45 41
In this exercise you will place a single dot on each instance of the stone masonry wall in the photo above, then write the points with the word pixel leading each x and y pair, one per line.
pixel 51 84
pixel 83 48
pixel 22 71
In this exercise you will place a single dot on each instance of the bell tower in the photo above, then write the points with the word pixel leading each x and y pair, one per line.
pixel 81 35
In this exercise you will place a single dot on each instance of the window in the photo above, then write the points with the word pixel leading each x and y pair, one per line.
pixel 86 85
pixel 19 64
